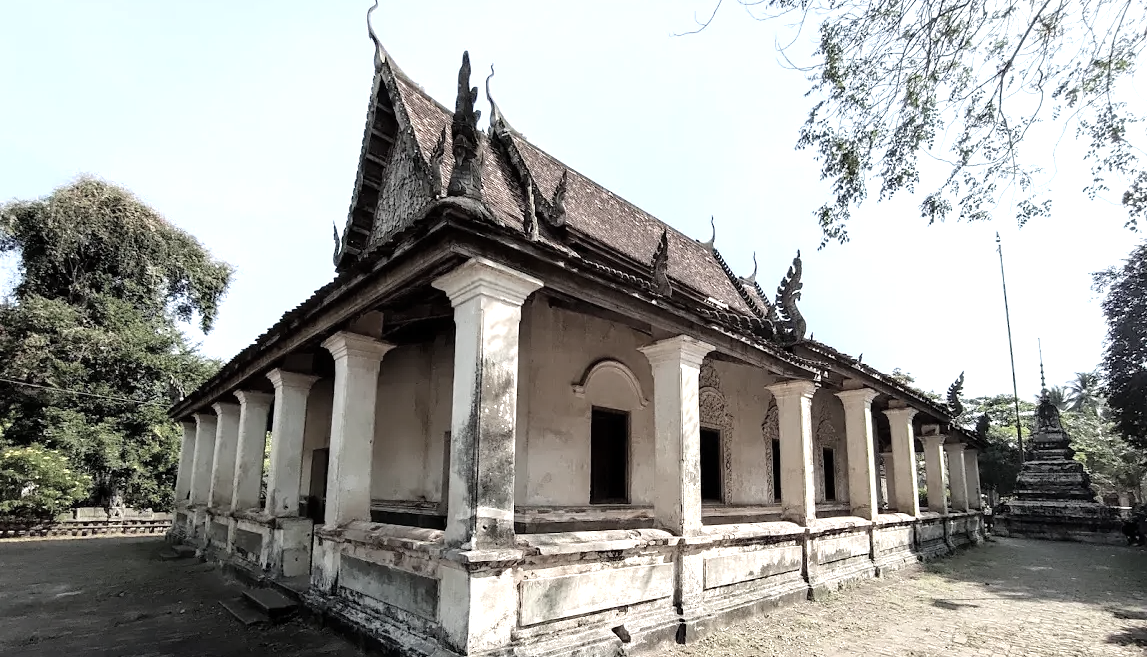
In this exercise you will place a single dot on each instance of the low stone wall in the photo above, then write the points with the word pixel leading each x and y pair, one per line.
pixel 85 522
pixel 596 593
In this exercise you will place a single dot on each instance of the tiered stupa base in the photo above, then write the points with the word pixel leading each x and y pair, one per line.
pixel 1054 499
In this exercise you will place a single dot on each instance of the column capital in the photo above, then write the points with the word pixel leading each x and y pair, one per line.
pixel 254 398
pixel 345 344
pixel 954 448
pixel 859 396
pixel 689 351
pixel 189 424
pixel 794 388
pixel 281 378
pixel 225 408
pixel 974 451
pixel 934 439
pixel 204 418
pixel 482 277
pixel 905 413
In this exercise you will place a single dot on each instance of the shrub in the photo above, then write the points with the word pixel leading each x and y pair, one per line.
pixel 37 483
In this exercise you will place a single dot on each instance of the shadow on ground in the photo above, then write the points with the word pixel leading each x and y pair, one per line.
pixel 115 597
pixel 1111 578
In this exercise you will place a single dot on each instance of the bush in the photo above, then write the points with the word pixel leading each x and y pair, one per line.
pixel 37 483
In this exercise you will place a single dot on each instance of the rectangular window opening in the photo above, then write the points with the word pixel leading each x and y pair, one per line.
pixel 711 466
pixel 609 457
pixel 776 470
pixel 829 475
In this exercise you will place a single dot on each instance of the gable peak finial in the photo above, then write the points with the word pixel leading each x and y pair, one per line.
pixel 466 177
pixel 374 37
pixel 660 266
pixel 955 406
pixel 498 121
pixel 753 276
pixel 338 243
pixel 712 242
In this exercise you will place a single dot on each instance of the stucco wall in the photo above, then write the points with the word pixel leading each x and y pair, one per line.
pixel 412 416
pixel 316 428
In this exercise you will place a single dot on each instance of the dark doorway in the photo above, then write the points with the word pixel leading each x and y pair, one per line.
pixel 317 500
pixel 609 457
pixel 829 475
pixel 711 466
pixel 776 470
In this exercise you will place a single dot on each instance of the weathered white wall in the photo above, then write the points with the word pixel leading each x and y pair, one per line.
pixel 744 400
pixel 558 347
pixel 317 428
pixel 412 417
pixel 828 431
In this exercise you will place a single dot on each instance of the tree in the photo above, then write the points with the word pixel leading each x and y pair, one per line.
pixel 966 84
pixel 1000 460
pixel 1085 392
pixel 1125 354
pixel 1059 397
pixel 38 483
pixel 90 343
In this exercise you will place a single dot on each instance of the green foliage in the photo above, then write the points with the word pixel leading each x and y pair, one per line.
pixel 92 334
pixel 1125 354
pixel 962 84
pixel 38 483
pixel 1114 464
pixel 1000 460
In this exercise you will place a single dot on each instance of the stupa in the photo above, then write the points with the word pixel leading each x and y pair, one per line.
pixel 1054 499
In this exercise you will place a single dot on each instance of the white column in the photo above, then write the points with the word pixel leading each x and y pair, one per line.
pixel 903 480
pixel 794 410
pixel 357 361
pixel 972 476
pixel 487 299
pixel 204 455
pixel 889 479
pixel 935 475
pixel 223 463
pixel 287 425
pixel 186 463
pixel 862 483
pixel 957 481
pixel 248 477
pixel 677 432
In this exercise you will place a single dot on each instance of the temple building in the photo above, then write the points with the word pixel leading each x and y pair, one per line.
pixel 526 417
pixel 1053 497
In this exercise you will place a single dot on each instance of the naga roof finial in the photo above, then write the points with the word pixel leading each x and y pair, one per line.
pixel 753 276
pixel 498 122
pixel 338 243
pixel 955 406
pixel 788 293
pixel 712 240
pixel 660 266
pixel 466 177
pixel 374 37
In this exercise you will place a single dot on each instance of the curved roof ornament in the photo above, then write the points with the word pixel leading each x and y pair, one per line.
pixel 498 120
pixel 712 240
pixel 752 278
pixel 955 406
pixel 378 49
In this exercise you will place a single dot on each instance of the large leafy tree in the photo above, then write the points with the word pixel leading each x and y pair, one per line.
pixel 90 344
pixel 966 85
pixel 1125 354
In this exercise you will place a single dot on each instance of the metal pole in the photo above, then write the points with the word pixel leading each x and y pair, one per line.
pixel 1011 351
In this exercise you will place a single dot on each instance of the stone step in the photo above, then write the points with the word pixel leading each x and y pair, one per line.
pixel 273 604
pixel 244 613
pixel 177 552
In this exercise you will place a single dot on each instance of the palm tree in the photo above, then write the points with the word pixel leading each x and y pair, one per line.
pixel 1084 392
pixel 1060 398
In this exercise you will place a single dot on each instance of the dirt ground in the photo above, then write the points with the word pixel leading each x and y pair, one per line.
pixel 1008 597
pixel 115 597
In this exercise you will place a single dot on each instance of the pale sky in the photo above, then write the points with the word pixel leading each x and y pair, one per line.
pixel 242 123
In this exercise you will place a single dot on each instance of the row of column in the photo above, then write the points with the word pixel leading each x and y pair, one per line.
pixel 224 450
pixel 676 364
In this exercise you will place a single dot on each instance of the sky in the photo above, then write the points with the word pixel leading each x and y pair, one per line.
pixel 242 123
